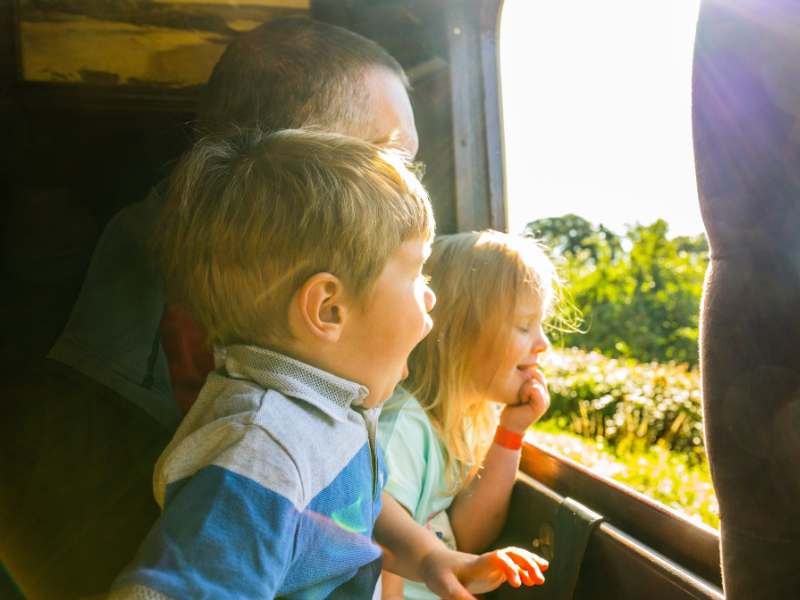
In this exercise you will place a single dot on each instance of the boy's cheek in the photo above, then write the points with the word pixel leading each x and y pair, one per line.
pixel 428 326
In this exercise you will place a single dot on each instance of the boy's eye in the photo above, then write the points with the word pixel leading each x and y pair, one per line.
pixel 425 278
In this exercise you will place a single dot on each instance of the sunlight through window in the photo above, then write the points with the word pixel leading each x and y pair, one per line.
pixel 597 111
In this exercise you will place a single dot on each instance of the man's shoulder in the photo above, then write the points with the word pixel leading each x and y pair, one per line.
pixel 110 332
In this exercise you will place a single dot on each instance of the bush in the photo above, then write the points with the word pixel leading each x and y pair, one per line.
pixel 639 294
pixel 625 403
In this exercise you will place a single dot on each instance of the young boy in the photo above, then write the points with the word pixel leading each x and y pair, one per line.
pixel 301 252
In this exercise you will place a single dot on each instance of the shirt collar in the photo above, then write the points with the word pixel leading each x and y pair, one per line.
pixel 329 393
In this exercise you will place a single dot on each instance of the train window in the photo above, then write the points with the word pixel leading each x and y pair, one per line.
pixel 596 100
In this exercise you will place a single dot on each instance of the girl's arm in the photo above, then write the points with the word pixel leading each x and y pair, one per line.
pixel 489 493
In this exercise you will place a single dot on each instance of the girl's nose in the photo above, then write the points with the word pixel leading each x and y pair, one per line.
pixel 540 342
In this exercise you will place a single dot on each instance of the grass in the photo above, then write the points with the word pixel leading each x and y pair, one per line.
pixel 669 477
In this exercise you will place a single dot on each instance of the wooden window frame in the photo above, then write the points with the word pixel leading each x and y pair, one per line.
pixel 472 34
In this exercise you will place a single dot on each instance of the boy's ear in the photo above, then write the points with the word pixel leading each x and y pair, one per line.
pixel 320 304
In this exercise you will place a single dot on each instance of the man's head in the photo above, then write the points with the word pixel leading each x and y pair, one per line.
pixel 292 73
pixel 306 242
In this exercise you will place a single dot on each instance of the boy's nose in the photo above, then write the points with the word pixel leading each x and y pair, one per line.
pixel 430 299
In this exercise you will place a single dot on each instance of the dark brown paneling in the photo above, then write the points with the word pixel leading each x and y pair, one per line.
pixel 694 546
pixel 616 561
pixel 616 566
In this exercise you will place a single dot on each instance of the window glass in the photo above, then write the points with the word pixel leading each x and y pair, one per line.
pixel 599 164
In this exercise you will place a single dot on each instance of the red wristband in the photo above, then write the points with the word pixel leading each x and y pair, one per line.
pixel 508 439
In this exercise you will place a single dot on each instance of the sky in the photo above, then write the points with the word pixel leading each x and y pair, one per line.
pixel 597 111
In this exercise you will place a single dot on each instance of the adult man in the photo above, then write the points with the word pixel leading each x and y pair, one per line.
pixel 82 498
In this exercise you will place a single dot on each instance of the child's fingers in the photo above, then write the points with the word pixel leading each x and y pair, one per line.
pixel 507 566
pixel 534 393
pixel 540 384
pixel 529 563
pixel 539 376
pixel 518 554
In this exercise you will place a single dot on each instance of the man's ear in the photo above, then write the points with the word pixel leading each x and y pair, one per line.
pixel 319 302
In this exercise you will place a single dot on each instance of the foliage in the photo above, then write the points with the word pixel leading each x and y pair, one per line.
pixel 665 476
pixel 624 404
pixel 639 293
pixel 637 422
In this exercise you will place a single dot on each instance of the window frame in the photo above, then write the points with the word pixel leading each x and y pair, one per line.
pixel 472 34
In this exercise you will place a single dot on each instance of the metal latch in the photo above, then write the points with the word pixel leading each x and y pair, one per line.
pixel 544 543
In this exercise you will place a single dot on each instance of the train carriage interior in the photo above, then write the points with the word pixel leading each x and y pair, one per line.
pixel 78 148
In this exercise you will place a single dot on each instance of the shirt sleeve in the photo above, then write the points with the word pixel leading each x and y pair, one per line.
pixel 221 535
pixel 406 442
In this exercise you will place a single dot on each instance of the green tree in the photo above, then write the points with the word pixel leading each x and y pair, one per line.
pixel 639 294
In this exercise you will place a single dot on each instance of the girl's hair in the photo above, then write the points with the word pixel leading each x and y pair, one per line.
pixel 478 279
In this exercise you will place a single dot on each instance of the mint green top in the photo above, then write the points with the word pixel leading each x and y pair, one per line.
pixel 415 458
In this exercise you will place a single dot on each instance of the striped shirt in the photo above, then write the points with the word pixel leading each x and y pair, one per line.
pixel 270 488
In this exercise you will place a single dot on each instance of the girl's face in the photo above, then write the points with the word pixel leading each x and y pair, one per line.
pixel 502 380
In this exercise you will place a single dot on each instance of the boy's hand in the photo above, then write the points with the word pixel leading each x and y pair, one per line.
pixel 453 575
pixel 534 402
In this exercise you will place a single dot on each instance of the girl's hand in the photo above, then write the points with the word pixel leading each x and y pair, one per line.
pixel 534 402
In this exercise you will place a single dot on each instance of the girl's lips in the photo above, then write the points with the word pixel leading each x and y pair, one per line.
pixel 527 370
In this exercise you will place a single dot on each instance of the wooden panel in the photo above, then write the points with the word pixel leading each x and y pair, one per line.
pixel 615 566
pixel 469 119
pixel 637 571
pixel 472 29
pixel 687 543
pixel 490 61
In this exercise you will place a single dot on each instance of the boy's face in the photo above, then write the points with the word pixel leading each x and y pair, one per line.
pixel 379 338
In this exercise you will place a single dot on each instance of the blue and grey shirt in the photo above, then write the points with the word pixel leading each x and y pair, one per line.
pixel 270 488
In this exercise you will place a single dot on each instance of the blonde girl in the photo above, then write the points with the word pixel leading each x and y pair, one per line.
pixel 493 292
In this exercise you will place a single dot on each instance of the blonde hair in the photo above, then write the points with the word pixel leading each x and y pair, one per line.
pixel 478 279
pixel 251 216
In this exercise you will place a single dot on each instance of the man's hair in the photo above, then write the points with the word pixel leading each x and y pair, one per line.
pixel 291 73
pixel 249 217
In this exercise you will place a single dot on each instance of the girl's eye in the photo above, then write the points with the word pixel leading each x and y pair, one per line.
pixel 425 278
pixel 524 328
